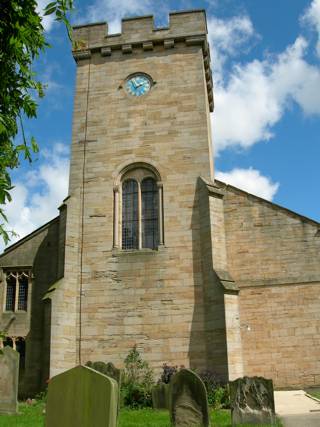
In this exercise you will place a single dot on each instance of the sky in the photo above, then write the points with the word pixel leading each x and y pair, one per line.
pixel 266 125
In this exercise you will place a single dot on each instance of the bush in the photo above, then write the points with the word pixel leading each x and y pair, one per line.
pixel 168 372
pixel 218 392
pixel 137 381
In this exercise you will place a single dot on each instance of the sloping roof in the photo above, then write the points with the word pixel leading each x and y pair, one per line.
pixel 227 187
pixel 29 236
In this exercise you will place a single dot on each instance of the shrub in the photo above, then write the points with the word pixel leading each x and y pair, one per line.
pixel 217 390
pixel 137 381
pixel 168 372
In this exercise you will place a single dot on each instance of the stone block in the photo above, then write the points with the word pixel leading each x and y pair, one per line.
pixel 252 401
pixel 82 397
pixel 9 379
pixel 188 400
pixel 160 396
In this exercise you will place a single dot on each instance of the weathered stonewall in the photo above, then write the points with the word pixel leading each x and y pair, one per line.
pixel 82 397
pixel 252 401
pixel 160 396
pixel 9 380
pixel 188 400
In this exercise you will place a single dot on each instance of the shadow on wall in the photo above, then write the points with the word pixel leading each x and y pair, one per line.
pixel 208 347
pixel 45 273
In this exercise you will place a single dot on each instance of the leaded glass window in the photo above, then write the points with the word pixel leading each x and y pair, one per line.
pixel 11 293
pixel 138 209
pixel 17 285
pixel 23 292
pixel 130 215
pixel 149 214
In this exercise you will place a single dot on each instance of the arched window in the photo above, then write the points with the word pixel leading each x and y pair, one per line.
pixel 138 211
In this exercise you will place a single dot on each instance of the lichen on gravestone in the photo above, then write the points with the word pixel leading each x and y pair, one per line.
pixel 9 380
pixel 188 400
pixel 110 370
pixel 82 397
pixel 252 401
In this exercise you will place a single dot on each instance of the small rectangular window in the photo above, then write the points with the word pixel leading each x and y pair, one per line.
pixel 17 285
pixel 11 293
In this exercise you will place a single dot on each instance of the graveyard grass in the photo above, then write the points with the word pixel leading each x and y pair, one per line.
pixel 32 416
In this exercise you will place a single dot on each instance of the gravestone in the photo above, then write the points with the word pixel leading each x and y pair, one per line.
pixel 9 380
pixel 109 370
pixel 252 401
pixel 188 400
pixel 82 397
pixel 160 396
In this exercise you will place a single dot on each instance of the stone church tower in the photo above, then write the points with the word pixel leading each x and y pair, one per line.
pixel 149 249
pixel 135 240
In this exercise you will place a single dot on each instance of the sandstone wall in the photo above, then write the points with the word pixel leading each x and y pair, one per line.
pixel 274 257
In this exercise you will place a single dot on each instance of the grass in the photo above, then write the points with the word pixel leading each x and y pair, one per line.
pixel 32 416
pixel 315 392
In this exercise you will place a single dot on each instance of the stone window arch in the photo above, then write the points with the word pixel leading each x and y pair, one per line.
pixel 138 218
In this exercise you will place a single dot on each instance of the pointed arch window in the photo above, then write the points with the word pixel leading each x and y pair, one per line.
pixel 140 206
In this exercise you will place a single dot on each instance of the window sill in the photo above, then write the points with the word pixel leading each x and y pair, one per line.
pixel 143 251
pixel 15 312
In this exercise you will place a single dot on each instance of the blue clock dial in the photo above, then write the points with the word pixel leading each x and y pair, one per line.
pixel 138 85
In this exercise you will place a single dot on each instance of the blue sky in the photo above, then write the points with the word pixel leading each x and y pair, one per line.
pixel 266 124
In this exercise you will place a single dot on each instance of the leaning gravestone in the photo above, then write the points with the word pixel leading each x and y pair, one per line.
pixel 82 397
pixel 160 396
pixel 9 380
pixel 188 400
pixel 252 401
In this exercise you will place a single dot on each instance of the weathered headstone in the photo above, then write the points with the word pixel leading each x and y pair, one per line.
pixel 110 370
pixel 252 401
pixel 82 397
pixel 107 369
pixel 188 400
pixel 9 380
pixel 160 396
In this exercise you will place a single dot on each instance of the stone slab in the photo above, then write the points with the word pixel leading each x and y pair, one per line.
pixel 252 401
pixel 82 397
pixel 9 380
pixel 188 400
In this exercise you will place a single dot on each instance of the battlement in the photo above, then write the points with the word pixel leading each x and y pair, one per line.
pixel 189 27
pixel 142 28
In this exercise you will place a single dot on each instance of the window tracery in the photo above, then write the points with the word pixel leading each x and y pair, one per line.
pixel 17 288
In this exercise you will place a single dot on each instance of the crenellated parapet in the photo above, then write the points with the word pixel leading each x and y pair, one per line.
pixel 188 27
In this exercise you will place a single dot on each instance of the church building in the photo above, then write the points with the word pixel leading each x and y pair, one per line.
pixel 148 248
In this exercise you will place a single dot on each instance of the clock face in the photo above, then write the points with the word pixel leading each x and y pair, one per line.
pixel 138 85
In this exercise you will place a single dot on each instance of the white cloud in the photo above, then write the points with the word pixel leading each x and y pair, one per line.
pixel 250 180
pixel 227 38
pixel 312 17
pixel 251 98
pixel 47 21
pixel 113 11
pixel 36 199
